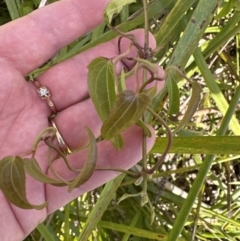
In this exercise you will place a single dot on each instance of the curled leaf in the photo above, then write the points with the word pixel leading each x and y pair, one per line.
pixel 139 181
pixel 33 169
pixel 173 93
pixel 127 110
pixel 115 7
pixel 148 133
pixel 192 105
pixel 12 182
pixel 89 165
pixel 126 195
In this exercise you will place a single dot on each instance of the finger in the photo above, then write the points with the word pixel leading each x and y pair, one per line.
pixel 71 124
pixel 107 157
pixel 34 39
pixel 68 80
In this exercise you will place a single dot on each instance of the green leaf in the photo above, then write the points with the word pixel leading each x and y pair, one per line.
pixel 12 7
pixel 115 7
pixel 222 145
pixel 216 92
pixel 95 216
pixel 151 92
pixel 118 142
pixel 33 169
pixel 12 182
pixel 192 105
pixel 237 5
pixel 44 231
pixel 122 81
pixel 224 10
pixel 127 110
pixel 145 128
pixel 127 195
pixel 101 86
pixel 173 92
pixel 89 165
pixel 26 8
pixel 80 46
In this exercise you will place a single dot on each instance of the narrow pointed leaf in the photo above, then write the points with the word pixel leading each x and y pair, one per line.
pixel 173 93
pixel 192 106
pixel 122 81
pixel 115 7
pixel 89 165
pixel 32 167
pixel 101 86
pixel 148 133
pixel 127 195
pixel 151 92
pixel 94 217
pixel 118 142
pixel 127 110
pixel 12 182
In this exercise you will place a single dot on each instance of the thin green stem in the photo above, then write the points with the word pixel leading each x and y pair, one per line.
pixel 149 81
pixel 146 23
pixel 40 138
pixel 132 174
pixel 50 144
pixel 169 133
pixel 144 79
pixel 51 167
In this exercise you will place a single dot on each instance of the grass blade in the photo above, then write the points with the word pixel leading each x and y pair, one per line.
pixel 216 93
pixel 189 40
pixel 100 207
pixel 200 145
pixel 12 9
pixel 45 232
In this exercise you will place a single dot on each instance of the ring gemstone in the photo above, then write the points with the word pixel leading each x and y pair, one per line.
pixel 44 92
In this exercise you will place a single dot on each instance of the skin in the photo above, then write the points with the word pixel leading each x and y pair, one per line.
pixel 26 44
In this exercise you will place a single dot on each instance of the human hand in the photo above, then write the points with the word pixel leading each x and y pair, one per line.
pixel 26 44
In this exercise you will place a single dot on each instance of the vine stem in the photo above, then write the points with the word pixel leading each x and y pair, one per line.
pixel 41 137
pixel 161 159
pixel 61 154
pixel 146 34
pixel 146 45
pixel 130 173
pixel 51 167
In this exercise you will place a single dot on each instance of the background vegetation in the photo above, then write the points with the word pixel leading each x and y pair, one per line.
pixel 195 193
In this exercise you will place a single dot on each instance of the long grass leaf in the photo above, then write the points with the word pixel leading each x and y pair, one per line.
pixel 45 232
pixel 155 8
pixel 189 40
pixel 200 145
pixel 228 31
pixel 216 93
pixel 172 20
pixel 106 196
pixel 134 231
pixel 12 9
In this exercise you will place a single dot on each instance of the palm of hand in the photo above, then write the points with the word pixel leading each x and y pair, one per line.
pixel 23 114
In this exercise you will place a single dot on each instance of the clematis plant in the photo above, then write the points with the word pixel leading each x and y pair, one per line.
pixel 118 107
